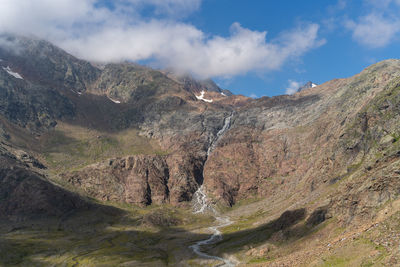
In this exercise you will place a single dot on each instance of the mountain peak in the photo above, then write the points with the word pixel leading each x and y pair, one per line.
pixel 194 85
pixel 307 85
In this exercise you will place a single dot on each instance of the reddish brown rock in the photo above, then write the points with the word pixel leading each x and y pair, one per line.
pixel 137 179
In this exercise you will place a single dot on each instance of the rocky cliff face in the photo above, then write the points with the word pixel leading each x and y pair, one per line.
pixel 304 145
pixel 334 146
pixel 138 180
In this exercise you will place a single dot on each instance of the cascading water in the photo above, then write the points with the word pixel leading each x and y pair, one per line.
pixel 227 125
pixel 202 205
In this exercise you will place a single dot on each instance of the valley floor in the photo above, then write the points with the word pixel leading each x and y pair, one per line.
pixel 161 236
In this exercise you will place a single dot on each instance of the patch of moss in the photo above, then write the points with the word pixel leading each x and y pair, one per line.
pixel 396 137
pixel 334 261
pixel 259 260
pixel 243 202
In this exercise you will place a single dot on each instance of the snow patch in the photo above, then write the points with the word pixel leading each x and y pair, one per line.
pixel 313 85
pixel 115 101
pixel 201 97
pixel 14 74
pixel 223 94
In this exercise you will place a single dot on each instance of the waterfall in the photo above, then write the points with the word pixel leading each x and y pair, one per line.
pixel 201 204
pixel 213 143
pixel 200 201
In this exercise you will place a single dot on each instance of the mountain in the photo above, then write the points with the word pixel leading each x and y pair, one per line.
pixel 307 85
pixel 196 86
pixel 114 157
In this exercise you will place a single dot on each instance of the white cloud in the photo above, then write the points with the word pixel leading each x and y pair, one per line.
pixel 381 4
pixel 98 33
pixel 187 49
pixel 374 30
pixel 293 87
pixel 380 26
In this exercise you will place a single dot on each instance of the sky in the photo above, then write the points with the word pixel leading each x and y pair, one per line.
pixel 254 47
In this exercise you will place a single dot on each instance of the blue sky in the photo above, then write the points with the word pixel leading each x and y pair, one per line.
pixel 341 56
pixel 254 48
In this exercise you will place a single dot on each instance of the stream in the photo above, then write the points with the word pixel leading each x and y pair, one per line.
pixel 201 204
